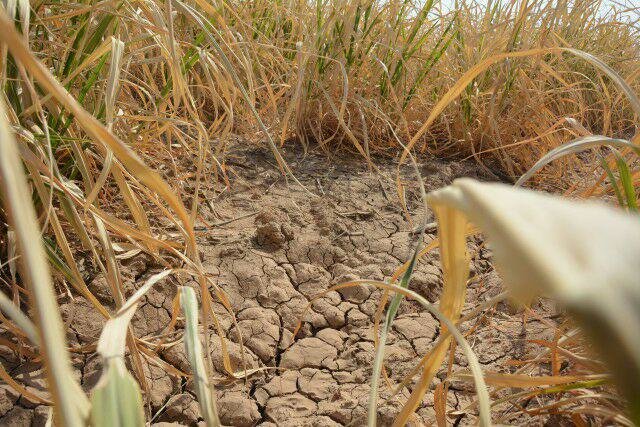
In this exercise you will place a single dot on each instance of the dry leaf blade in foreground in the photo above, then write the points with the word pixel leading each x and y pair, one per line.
pixel 584 254
pixel 91 90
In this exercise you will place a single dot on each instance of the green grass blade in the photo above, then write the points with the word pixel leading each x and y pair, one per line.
pixel 116 399
pixel 204 389
pixel 379 357
pixel 626 181
pixel 613 181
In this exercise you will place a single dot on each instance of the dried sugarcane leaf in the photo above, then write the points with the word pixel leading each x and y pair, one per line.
pixel 584 254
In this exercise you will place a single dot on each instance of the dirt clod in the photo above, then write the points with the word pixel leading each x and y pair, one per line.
pixel 182 409
pixel 236 409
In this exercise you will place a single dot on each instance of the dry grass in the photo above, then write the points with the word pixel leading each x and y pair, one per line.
pixel 103 100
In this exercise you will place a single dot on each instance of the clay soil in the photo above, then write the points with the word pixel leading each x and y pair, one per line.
pixel 275 247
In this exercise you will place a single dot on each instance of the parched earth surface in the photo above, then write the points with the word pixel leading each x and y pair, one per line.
pixel 272 247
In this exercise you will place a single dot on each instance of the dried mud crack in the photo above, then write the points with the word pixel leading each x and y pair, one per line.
pixel 276 249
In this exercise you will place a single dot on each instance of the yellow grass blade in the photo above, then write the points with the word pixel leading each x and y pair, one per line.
pixel 71 404
pixel 520 380
pixel 456 90
pixel 4 375
pixel 455 268
pixel 21 320
pixel 93 127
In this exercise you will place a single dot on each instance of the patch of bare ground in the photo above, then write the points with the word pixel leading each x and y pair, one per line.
pixel 274 248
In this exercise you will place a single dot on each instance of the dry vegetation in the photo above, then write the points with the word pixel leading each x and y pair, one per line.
pixel 117 117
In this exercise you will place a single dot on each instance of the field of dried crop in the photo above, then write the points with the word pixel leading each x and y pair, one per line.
pixel 231 213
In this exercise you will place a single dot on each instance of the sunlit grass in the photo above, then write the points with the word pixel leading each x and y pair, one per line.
pixel 97 95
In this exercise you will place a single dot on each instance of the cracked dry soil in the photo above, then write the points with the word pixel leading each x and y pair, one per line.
pixel 286 248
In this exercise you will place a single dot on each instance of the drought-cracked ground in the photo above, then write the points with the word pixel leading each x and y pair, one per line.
pixel 274 248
